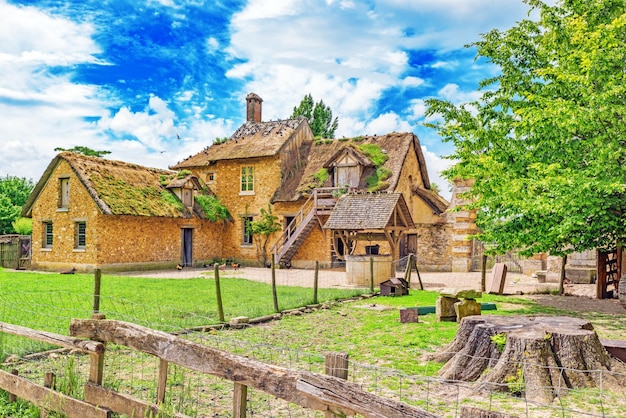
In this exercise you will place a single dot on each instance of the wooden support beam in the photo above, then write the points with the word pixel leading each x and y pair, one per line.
pixel 303 388
pixel 162 383
pixel 49 399
pixel 123 404
pixel 54 339
pixel 240 400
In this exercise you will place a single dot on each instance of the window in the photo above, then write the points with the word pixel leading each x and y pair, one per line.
pixel 47 235
pixel 80 235
pixel 247 178
pixel 247 230
pixel 188 197
pixel 210 177
pixel 64 193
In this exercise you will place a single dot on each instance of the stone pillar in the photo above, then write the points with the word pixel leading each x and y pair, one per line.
pixel 464 224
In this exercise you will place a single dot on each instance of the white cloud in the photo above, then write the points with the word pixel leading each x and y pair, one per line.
pixel 436 165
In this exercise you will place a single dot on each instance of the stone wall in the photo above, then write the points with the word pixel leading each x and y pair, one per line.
pixel 463 225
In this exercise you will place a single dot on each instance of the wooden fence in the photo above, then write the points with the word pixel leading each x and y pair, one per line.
pixel 15 251
pixel 328 393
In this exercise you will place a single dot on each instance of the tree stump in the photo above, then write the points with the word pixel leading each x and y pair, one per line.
pixel 538 357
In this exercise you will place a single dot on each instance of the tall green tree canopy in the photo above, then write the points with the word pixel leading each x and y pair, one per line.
pixel 319 115
pixel 14 192
pixel 546 141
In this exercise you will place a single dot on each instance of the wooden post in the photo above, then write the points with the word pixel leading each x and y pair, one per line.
pixel 483 274
pixel 12 397
pixel 418 272
pixel 274 285
pixel 315 281
pixel 48 382
pixel 96 361
pixel 371 274
pixel 407 270
pixel 336 364
pixel 240 400
pixel 162 383
pixel 218 293
pixel 96 290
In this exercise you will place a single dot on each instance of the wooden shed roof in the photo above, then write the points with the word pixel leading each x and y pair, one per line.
pixel 372 211
pixel 251 140
pixel 117 187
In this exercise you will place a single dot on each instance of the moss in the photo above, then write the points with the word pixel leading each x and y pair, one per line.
pixel 182 174
pixel 374 153
pixel 171 200
pixel 376 181
pixel 315 180
pixel 213 209
pixel 357 139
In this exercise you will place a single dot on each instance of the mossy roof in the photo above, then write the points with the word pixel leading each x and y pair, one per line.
pixel 251 140
pixel 396 145
pixel 117 188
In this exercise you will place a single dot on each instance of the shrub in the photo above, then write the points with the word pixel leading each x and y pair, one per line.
pixel 23 226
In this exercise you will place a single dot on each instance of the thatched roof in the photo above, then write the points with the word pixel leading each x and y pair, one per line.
pixel 252 139
pixel 117 188
pixel 437 203
pixel 395 145
pixel 358 212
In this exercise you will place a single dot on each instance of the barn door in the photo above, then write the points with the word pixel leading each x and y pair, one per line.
pixel 187 247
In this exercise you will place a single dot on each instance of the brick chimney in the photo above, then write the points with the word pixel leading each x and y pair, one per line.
pixel 253 108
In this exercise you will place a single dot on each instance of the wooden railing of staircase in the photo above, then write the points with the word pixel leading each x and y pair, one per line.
pixel 320 202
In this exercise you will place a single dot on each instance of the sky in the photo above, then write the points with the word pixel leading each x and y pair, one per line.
pixel 155 81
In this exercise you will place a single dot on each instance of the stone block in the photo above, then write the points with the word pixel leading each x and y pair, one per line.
pixel 498 278
pixel 465 308
pixel 444 309
pixel 461 293
pixel 409 315
pixel 581 275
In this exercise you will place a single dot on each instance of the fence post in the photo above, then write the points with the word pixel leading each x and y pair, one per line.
pixel 162 383
pixel 315 281
pixel 218 292
pixel 336 364
pixel 48 382
pixel 274 286
pixel 483 274
pixel 371 274
pixel 240 399
pixel 12 397
pixel 407 269
pixel 96 361
pixel 96 290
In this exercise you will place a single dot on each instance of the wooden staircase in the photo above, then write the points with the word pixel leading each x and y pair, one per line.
pixel 321 202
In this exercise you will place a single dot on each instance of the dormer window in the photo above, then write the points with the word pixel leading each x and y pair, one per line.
pixel 348 166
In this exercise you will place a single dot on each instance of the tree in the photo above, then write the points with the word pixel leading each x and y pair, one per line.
pixel 14 192
pixel 263 228
pixel 545 144
pixel 319 115
pixel 84 150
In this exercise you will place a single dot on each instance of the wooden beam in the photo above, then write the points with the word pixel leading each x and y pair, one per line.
pixel 49 399
pixel 240 400
pixel 54 339
pixel 123 404
pixel 319 392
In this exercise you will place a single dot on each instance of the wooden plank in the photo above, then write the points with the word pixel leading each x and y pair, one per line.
pixel 310 390
pixel 54 339
pixel 49 399
pixel 123 404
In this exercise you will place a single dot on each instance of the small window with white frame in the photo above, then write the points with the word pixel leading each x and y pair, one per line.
pixel 80 235
pixel 247 179
pixel 47 234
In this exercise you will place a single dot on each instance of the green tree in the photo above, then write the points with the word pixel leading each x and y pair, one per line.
pixel 14 192
pixel 263 229
pixel 84 150
pixel 319 115
pixel 545 143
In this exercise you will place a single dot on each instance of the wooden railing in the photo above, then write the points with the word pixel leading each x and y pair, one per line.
pixel 321 201
pixel 330 394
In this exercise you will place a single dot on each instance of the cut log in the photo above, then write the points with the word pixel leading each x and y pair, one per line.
pixel 538 357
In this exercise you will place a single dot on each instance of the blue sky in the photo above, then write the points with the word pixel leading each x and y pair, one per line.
pixel 154 81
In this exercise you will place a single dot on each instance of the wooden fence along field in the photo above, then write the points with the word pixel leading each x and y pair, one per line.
pixel 332 395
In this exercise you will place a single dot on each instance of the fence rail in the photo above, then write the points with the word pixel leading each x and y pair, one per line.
pixel 329 394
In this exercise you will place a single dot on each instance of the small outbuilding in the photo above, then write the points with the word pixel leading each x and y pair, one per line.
pixel 394 287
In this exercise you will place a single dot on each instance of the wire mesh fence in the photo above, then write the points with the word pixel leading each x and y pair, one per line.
pixel 200 395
